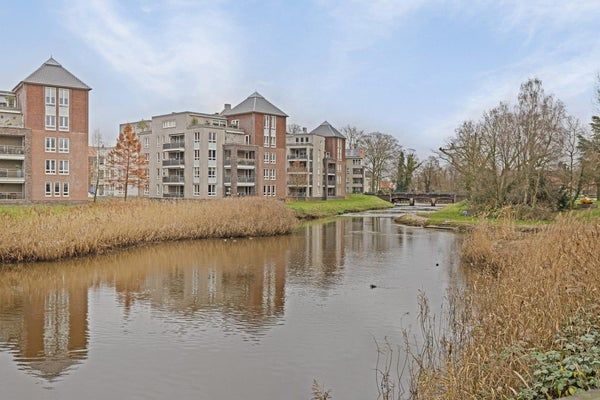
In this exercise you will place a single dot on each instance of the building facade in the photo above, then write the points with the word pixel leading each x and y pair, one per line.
pixel 265 127
pixel 44 137
pixel 355 171
pixel 316 163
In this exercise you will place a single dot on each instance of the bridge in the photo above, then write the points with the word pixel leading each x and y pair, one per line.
pixel 412 198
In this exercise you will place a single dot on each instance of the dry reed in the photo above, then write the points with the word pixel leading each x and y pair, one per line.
pixel 521 290
pixel 42 235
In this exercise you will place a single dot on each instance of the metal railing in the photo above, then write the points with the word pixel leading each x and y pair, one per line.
pixel 11 173
pixel 11 196
pixel 11 149
pixel 173 162
pixel 174 145
pixel 300 156
pixel 240 161
pixel 173 179
pixel 240 179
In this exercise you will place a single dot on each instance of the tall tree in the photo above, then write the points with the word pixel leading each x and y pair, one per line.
pixel 130 166
pixel 379 151
pixel 406 166
pixel 354 136
pixel 98 142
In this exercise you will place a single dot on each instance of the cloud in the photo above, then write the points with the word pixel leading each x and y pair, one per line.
pixel 163 47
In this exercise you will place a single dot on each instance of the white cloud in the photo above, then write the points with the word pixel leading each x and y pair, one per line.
pixel 163 47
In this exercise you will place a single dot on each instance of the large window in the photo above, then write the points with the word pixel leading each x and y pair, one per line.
pixel 63 97
pixel 212 137
pixel 212 155
pixel 196 155
pixel 50 144
pixel 50 96
pixel 63 167
pixel 63 145
pixel 212 172
pixel 169 124
pixel 212 190
pixel 50 121
pixel 50 167
pixel 196 190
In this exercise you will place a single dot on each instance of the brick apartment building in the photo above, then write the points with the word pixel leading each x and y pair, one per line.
pixel 44 137
pixel 316 163
pixel 355 171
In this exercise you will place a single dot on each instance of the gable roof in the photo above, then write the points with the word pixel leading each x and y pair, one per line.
pixel 327 130
pixel 54 74
pixel 255 103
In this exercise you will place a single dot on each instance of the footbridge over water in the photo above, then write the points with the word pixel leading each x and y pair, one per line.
pixel 412 198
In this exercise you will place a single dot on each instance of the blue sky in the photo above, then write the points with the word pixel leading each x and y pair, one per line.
pixel 411 68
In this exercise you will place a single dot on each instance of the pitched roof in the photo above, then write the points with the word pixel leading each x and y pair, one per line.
pixel 52 73
pixel 255 103
pixel 327 130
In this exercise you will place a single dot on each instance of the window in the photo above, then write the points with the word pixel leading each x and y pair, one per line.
pixel 212 190
pixel 157 189
pixel 158 172
pixel 50 144
pixel 196 155
pixel 63 97
pixel 196 137
pixel 63 167
pixel 266 174
pixel 146 142
pixel 266 159
pixel 197 172
pixel 266 141
pixel 212 155
pixel 63 147
pixel 273 158
pixel 50 96
pixel 212 137
pixel 146 190
pixel 266 119
pixel 273 193
pixel 57 189
pixel 273 141
pixel 196 190
pixel 235 123
pixel 246 139
pixel 50 121
pixel 212 172
pixel 66 189
pixel 273 174
pixel 50 167
pixel 48 189
pixel 273 119
pixel 169 124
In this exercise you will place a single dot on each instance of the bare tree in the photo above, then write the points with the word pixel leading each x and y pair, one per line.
pixel 379 151
pixel 572 169
pixel 354 136
pixel 294 129
pixel 97 144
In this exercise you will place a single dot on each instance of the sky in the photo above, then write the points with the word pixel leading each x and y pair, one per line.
pixel 411 68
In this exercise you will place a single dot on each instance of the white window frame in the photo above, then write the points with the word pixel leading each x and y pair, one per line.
pixel 197 172
pixel 63 97
pixel 196 155
pixel 48 189
pixel 61 147
pixel 266 174
pixel 65 191
pixel 196 137
pixel 212 157
pixel 273 158
pixel 212 172
pixel 212 192
pixel 50 167
pixel 171 123
pixel 146 142
pixel 50 96
pixel 50 124
pixel 52 142
pixel 61 167
pixel 196 190
pixel 57 192
pixel 266 158
pixel 212 137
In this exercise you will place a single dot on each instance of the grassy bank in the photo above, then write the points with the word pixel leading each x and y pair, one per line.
pixel 311 209
pixel 527 324
pixel 48 233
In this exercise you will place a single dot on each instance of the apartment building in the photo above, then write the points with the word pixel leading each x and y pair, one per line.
pixel 305 169
pixel 316 163
pixel 265 127
pixel 44 137
pixel 196 156
pixel 355 171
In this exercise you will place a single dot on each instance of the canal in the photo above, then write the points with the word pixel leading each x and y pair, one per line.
pixel 221 319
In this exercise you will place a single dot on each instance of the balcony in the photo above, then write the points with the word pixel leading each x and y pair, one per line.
pixel 240 179
pixel 173 179
pixel 12 176
pixel 12 152
pixel 241 162
pixel 173 195
pixel 177 145
pixel 330 171
pixel 11 196
pixel 297 156
pixel 173 162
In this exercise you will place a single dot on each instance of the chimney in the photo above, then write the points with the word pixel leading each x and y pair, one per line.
pixel 304 130
pixel 227 106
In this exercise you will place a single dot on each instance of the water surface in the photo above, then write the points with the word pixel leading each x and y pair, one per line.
pixel 215 319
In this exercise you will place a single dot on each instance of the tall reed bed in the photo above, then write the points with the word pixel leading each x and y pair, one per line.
pixel 40 234
pixel 523 292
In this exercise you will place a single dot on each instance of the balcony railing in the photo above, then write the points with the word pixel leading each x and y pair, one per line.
pixel 331 170
pixel 297 156
pixel 11 173
pixel 172 195
pixel 240 161
pixel 173 162
pixel 10 149
pixel 173 179
pixel 240 179
pixel 11 196
pixel 174 145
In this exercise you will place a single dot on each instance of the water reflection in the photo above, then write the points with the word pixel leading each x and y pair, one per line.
pixel 220 296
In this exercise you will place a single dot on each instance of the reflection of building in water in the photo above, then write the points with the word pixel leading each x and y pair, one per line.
pixel 46 331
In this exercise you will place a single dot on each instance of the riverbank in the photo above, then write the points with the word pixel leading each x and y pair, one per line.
pixel 313 209
pixel 45 233
pixel 458 217
pixel 526 325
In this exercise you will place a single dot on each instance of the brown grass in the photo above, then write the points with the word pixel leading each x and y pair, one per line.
pixel 42 234
pixel 521 289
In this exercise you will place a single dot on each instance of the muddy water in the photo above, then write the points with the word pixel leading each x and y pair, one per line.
pixel 251 318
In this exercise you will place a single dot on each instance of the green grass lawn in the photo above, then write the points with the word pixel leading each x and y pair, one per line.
pixel 308 209
pixel 17 211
